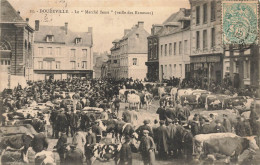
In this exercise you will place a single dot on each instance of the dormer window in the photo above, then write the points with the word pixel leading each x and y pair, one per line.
pixel 49 38
pixel 77 40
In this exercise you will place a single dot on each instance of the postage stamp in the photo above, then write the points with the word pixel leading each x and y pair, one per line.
pixel 240 22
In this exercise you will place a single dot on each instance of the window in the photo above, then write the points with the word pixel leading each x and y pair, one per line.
pixel 185 46
pixel 134 61
pixel 180 65
pixel 40 51
pixel 40 66
pixel 213 10
pixel 58 52
pixel 49 38
pixel 246 69
pixel 155 51
pixel 197 40
pixel 165 49
pixel 161 50
pixel 57 64
pixel 73 64
pixel 137 35
pixel 205 13
pixel 170 70
pixel 48 65
pixel 25 44
pixel 213 37
pixel 77 40
pixel 205 39
pixel 174 68
pixel 5 62
pixel 170 49
pixel 165 71
pixel 84 52
pixel 73 53
pixel 49 51
pixel 115 61
pixel 84 64
pixel 174 49
pixel 180 47
pixel 197 15
pixel 29 46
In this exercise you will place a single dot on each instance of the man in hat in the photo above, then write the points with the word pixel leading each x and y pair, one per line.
pixel 162 142
pixel 161 112
pixel 61 146
pixel 240 127
pixel 90 142
pixel 126 153
pixel 146 126
pixel 226 123
pixel 219 128
pixel 116 103
pixel 147 148
pixel 74 156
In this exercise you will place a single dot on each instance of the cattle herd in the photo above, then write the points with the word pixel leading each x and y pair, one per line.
pixel 103 119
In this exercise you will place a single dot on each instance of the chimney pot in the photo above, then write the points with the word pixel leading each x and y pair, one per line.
pixel 126 31
pixel 66 27
pixel 140 23
pixel 37 25
pixel 27 19
pixel 18 12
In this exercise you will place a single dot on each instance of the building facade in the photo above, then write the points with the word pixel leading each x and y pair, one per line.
pixel 16 45
pixel 153 54
pixel 60 53
pixel 129 54
pixel 174 42
pixel 206 40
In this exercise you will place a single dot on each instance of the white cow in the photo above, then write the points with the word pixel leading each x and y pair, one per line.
pixel 134 100
pixel 174 92
pixel 161 91
pixel 182 92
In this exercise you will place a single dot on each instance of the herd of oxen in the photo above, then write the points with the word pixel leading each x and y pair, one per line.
pixel 20 127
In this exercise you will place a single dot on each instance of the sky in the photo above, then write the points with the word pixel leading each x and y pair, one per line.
pixel 106 27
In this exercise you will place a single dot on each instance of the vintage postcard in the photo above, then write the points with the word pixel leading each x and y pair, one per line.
pixel 129 82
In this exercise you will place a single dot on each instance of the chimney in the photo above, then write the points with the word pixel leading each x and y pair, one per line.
pixel 90 29
pixel 37 25
pixel 141 24
pixel 126 31
pixel 18 12
pixel 66 27
pixel 27 19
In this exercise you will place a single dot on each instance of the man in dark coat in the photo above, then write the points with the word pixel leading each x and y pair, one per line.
pixel 97 130
pixel 253 121
pixel 53 117
pixel 73 123
pixel 126 116
pixel 171 131
pixel 162 140
pixel 240 127
pixel 116 103
pixel 61 122
pixel 61 146
pixel 74 156
pixel 141 129
pixel 126 153
pixel 219 128
pixel 195 128
pixel 161 111
pixel 90 142
pixel 39 142
pixel 170 113
pixel 147 148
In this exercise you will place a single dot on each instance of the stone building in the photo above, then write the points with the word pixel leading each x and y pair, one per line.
pixel 174 42
pixel 16 46
pixel 60 53
pixel 206 40
pixel 130 53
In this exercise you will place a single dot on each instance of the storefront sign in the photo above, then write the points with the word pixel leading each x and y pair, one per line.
pixel 205 59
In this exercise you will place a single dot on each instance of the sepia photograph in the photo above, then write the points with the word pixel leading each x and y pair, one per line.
pixel 130 82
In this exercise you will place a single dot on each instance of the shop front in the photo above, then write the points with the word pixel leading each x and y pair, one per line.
pixel 207 67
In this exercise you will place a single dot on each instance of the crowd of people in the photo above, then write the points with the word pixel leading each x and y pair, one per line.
pixel 171 136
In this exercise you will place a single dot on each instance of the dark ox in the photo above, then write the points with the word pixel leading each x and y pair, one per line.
pixel 18 142
pixel 231 147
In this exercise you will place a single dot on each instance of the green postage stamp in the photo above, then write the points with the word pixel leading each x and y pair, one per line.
pixel 240 22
